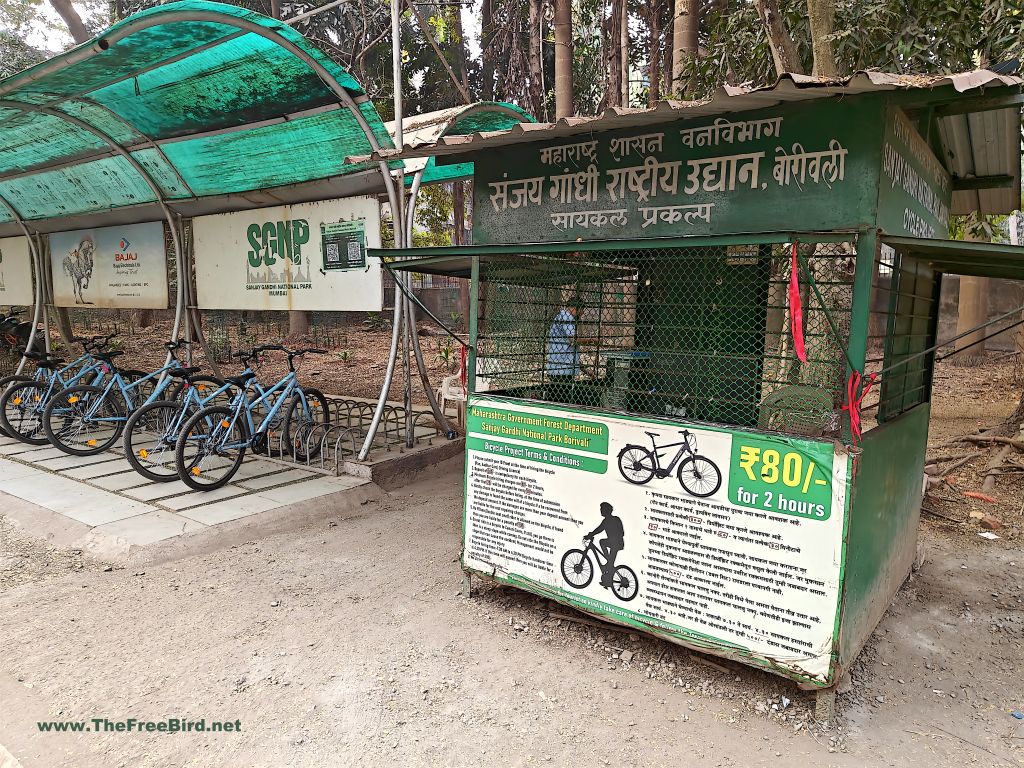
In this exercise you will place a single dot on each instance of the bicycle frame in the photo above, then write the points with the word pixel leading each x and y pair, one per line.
pixel 287 385
pixel 126 392
pixel 192 398
pixel 51 378
pixel 684 448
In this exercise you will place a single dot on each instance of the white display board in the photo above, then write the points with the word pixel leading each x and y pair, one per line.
pixel 116 267
pixel 16 272
pixel 745 554
pixel 303 257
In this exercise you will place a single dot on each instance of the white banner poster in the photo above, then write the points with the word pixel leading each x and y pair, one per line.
pixel 16 272
pixel 305 257
pixel 119 267
pixel 719 538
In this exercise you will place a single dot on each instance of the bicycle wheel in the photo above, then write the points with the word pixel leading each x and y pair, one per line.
pixel 21 411
pixel 636 464
pixel 210 448
pixel 302 420
pixel 5 383
pixel 577 570
pixel 83 421
pixel 699 476
pixel 625 584
pixel 150 435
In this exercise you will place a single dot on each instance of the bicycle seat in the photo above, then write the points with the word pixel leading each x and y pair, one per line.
pixel 50 362
pixel 38 355
pixel 241 380
pixel 108 357
pixel 181 373
pixel 651 434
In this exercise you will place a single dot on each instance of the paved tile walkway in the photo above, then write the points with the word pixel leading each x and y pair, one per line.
pixel 105 493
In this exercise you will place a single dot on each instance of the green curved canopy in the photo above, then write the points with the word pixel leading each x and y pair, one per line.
pixel 220 107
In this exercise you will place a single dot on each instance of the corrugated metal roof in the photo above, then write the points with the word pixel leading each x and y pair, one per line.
pixel 985 143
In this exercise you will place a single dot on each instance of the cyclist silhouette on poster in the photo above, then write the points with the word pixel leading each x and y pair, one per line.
pixel 578 564
pixel 611 544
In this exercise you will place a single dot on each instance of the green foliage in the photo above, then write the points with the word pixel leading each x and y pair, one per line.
pixel 375 321
pixel 918 36
pixel 447 355
pixel 434 215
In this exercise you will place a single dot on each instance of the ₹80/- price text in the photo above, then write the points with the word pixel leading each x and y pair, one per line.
pixel 774 476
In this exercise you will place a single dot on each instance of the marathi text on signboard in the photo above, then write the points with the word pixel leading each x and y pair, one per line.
pixel 15 272
pixel 743 173
pixel 703 534
pixel 299 257
pixel 118 267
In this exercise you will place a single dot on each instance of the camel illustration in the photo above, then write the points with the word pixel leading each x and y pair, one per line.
pixel 78 266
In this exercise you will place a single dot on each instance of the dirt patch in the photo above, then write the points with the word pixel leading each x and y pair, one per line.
pixel 349 643
pixel 966 400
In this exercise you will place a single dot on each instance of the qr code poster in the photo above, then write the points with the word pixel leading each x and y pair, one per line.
pixel 344 244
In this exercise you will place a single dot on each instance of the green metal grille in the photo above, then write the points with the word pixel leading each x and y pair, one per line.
pixel 702 333
pixel 904 312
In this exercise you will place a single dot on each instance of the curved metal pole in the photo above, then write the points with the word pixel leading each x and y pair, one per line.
pixel 34 253
pixel 442 420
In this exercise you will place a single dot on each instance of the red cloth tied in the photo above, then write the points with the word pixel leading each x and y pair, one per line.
pixel 796 311
pixel 854 398
pixel 463 373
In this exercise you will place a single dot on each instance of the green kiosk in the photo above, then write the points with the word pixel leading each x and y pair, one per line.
pixel 698 404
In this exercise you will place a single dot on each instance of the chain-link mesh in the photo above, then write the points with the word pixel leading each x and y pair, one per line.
pixel 700 333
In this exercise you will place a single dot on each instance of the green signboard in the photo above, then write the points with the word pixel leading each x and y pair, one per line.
pixel 914 189
pixel 812 166
pixel 344 244
pixel 716 538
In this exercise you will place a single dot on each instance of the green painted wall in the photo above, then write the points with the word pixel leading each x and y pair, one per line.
pixel 882 535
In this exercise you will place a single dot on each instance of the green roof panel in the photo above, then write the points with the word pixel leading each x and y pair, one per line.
pixel 209 99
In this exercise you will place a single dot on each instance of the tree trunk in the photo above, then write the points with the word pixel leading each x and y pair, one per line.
pixel 458 213
pixel 624 51
pixel 533 36
pixel 486 51
pixel 144 318
pixel 563 59
pixel 972 311
pixel 461 66
pixel 784 50
pixel 654 52
pixel 613 55
pixel 822 17
pixel 684 41
pixel 71 18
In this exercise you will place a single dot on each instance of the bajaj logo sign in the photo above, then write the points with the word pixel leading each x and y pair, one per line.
pixel 277 240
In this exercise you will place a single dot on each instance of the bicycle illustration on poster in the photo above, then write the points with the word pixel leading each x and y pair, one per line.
pixel 697 474
pixel 578 564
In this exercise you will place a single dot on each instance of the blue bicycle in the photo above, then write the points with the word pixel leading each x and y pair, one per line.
pixel 152 431
pixel 213 442
pixel 25 398
pixel 88 419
